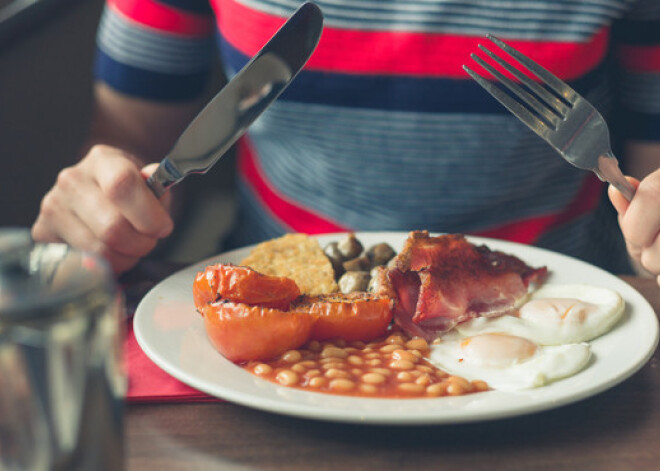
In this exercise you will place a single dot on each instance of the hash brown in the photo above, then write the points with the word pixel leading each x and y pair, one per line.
pixel 296 256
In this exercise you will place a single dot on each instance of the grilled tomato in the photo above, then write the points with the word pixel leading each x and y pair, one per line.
pixel 242 285
pixel 242 332
pixel 352 316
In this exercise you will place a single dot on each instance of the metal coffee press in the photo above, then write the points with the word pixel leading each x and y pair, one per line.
pixel 62 381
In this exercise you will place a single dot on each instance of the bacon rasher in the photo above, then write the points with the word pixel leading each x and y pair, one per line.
pixel 438 282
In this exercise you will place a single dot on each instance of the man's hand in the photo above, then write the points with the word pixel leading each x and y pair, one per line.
pixel 103 205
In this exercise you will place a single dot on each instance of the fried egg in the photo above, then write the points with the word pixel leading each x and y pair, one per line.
pixel 507 362
pixel 556 315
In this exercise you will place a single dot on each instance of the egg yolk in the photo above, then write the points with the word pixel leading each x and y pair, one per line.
pixel 556 310
pixel 496 350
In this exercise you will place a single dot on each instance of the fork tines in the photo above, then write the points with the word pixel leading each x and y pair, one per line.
pixel 534 102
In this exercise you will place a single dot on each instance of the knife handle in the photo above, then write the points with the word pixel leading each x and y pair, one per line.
pixel 164 177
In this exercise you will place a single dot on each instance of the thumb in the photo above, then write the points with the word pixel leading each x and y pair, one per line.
pixel 619 202
pixel 147 171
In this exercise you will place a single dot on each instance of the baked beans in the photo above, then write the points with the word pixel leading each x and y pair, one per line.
pixel 394 366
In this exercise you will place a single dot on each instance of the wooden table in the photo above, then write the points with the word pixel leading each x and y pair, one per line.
pixel 615 430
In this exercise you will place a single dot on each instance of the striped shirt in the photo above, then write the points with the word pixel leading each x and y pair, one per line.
pixel 383 130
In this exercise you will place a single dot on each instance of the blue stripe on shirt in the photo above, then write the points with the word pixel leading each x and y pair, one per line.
pixel 148 84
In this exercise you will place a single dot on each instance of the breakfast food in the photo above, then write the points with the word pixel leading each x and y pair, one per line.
pixel 556 315
pixel 352 316
pixel 443 317
pixel 439 282
pixel 241 332
pixel 295 256
pixel 507 362
pixel 251 316
pixel 243 285
pixel 393 366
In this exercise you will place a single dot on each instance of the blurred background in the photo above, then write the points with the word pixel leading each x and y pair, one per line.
pixel 46 58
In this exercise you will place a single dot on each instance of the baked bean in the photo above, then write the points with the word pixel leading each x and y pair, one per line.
pixel 355 360
pixel 457 386
pixel 395 338
pixel 312 373
pixel 382 371
pixel 424 368
pixel 292 356
pixel 411 388
pixel 437 389
pixel 402 365
pixel 341 385
pixel 417 354
pixel 480 385
pixel 393 366
pixel 262 369
pixel 459 380
pixel 317 382
pixel 404 355
pixel 333 352
pixel 390 347
pixel 405 377
pixel 424 380
pixel 368 389
pixel 337 373
pixel 417 344
pixel 373 378
pixel 333 364
pixel 287 377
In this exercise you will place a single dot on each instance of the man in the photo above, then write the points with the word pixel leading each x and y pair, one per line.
pixel 381 131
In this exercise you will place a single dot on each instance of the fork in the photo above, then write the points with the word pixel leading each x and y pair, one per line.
pixel 554 111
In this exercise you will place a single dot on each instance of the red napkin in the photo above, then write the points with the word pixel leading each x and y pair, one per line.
pixel 147 383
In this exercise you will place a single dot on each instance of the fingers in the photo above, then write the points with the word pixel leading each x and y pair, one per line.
pixel 103 205
pixel 122 186
pixel 619 202
pixel 640 221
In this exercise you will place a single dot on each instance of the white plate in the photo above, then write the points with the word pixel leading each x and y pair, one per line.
pixel 171 333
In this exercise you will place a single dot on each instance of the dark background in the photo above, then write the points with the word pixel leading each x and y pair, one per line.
pixel 46 59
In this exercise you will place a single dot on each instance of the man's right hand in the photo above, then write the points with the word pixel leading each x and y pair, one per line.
pixel 103 205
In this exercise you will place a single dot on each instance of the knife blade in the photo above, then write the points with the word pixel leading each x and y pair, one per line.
pixel 242 100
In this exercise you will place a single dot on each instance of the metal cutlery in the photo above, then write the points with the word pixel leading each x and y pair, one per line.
pixel 554 111
pixel 229 114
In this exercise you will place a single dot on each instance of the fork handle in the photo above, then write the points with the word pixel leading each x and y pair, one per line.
pixel 608 170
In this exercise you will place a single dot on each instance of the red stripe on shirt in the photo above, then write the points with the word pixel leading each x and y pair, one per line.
pixel 162 17
pixel 289 213
pixel 640 58
pixel 529 230
pixel 304 220
pixel 401 52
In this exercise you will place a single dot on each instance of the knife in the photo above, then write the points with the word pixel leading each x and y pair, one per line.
pixel 229 114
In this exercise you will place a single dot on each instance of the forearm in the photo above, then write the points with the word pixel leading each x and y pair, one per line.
pixel 145 129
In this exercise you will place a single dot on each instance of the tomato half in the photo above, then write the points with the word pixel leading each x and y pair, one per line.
pixel 243 285
pixel 242 332
pixel 205 287
pixel 353 316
